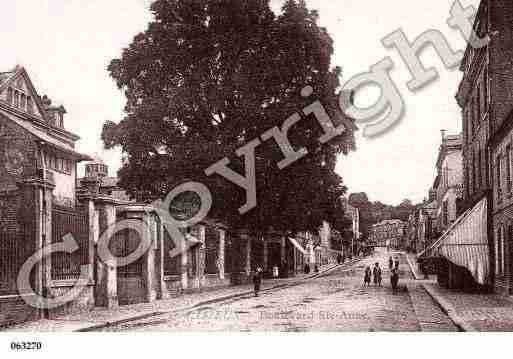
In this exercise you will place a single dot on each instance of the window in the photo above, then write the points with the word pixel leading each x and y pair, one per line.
pixel 469 123
pixel 30 105
pixel 23 101
pixel 16 98
pixel 485 81
pixel 478 104
pixel 499 181
pixel 479 168
pixel 499 251
pixel 445 213
pixel 508 168
pixel 467 182
pixel 475 170
pixel 9 95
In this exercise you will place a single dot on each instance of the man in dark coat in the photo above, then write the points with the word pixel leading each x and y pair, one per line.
pixel 376 272
pixel 394 280
pixel 257 280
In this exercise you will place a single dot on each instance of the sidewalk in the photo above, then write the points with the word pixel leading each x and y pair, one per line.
pixel 415 270
pixel 474 312
pixel 100 317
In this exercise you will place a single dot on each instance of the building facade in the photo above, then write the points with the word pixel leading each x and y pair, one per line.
pixel 485 96
pixel 38 200
pixel 448 182
pixel 389 233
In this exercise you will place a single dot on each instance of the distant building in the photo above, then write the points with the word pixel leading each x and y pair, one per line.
pixel 449 180
pixel 388 233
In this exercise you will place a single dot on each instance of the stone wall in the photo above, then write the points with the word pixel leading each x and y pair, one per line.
pixel 17 154
pixel 14 310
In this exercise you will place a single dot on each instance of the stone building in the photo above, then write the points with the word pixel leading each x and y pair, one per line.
pixel 485 96
pixel 426 225
pixel 388 233
pixel 448 182
pixel 38 201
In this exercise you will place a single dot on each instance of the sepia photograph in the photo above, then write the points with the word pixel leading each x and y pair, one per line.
pixel 251 167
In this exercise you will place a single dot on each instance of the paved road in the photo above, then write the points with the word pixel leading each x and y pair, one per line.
pixel 333 302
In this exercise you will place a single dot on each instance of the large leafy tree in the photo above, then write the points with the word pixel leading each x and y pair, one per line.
pixel 206 77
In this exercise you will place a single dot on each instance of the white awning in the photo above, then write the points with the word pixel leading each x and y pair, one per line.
pixel 297 245
pixel 465 243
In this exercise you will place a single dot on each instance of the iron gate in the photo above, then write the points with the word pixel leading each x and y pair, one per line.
pixel 12 256
pixel 74 222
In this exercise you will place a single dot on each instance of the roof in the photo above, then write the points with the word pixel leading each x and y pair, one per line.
pixel 389 221
pixel 105 182
pixel 449 142
pixel 4 76
pixel 45 137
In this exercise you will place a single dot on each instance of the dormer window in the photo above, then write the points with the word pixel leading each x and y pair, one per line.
pixel 30 105
pixel 16 99
pixel 9 96
pixel 23 101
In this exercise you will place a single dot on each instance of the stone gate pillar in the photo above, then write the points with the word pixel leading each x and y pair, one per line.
pixel 221 258
pixel 201 255
pixel 149 270
pixel 162 292
pixel 106 287
pixel 37 228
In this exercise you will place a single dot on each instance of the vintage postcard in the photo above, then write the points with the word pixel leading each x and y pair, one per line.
pixel 255 166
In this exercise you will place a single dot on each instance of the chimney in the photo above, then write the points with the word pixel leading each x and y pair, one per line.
pixel 54 114
pixel 432 195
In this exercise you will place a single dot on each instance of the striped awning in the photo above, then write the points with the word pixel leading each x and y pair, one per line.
pixel 465 243
pixel 297 245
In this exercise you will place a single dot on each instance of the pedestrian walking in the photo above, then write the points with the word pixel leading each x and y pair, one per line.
pixel 390 263
pixel 367 277
pixel 257 280
pixel 307 268
pixel 376 272
pixel 394 280
pixel 396 263
pixel 275 272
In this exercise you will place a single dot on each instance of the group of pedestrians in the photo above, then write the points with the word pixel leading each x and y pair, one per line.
pixel 376 273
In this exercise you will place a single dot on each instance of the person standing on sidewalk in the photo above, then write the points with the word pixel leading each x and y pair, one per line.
pixel 376 272
pixel 257 280
pixel 394 280
pixel 367 277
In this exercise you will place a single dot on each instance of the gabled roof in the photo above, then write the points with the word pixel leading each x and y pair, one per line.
pixel 44 137
pixel 11 77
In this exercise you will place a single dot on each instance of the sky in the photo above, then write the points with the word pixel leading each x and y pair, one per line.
pixel 66 46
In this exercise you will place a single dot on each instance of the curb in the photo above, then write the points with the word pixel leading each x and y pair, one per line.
pixel 412 268
pixel 206 302
pixel 449 309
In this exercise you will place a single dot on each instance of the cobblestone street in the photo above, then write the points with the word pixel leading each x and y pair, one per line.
pixel 336 301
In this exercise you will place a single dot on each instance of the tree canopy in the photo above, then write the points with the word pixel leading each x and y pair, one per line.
pixel 209 76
